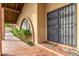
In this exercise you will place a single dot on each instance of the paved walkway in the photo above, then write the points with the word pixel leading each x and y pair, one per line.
pixel 12 46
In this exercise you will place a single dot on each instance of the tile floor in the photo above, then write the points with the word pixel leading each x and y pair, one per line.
pixel 12 46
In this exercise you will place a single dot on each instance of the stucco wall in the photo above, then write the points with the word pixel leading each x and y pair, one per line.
pixel 30 10
pixel 41 22
pixel 3 28
pixel 78 25
pixel 38 15
pixel 53 6
pixel 0 30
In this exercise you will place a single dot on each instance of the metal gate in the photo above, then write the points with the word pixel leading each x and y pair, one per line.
pixel 62 25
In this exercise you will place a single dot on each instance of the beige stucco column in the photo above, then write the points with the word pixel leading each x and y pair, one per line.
pixel 0 31
pixel 41 22
pixel 3 28
pixel 78 25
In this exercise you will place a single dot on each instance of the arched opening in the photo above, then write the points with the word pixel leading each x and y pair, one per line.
pixel 26 24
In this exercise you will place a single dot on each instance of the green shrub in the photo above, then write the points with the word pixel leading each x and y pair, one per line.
pixel 27 32
pixel 30 43
pixel 15 31
pixel 23 35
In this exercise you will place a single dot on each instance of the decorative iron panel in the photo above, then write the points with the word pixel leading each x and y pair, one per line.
pixel 62 25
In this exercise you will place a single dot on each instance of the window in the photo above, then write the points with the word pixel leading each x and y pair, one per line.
pixel 63 25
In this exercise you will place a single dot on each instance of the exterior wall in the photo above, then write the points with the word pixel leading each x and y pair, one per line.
pixel 0 30
pixel 30 10
pixel 78 25
pixel 3 28
pixel 38 15
pixel 41 22
pixel 53 6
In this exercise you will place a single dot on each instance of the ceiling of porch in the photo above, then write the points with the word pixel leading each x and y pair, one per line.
pixel 12 11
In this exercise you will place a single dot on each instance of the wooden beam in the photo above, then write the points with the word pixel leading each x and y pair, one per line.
pixel 5 4
pixel 15 13
pixel 12 10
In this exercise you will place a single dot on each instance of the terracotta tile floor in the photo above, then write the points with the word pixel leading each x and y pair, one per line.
pixel 12 46
pixel 19 48
pixel 56 48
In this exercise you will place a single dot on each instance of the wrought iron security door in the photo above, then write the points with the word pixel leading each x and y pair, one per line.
pixel 62 25
pixel 53 26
